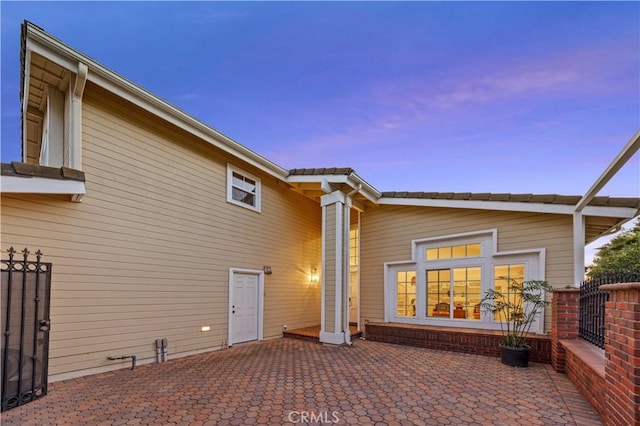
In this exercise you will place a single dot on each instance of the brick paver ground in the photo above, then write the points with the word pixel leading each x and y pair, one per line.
pixel 287 381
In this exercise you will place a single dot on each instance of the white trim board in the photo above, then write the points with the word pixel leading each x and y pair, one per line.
pixel 604 211
pixel 40 185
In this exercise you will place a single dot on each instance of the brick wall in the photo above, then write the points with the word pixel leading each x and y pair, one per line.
pixel 585 368
pixel 622 348
pixel 609 379
pixel 565 309
pixel 479 342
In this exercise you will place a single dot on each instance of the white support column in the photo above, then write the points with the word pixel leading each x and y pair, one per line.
pixel 335 269
pixel 346 275
pixel 578 248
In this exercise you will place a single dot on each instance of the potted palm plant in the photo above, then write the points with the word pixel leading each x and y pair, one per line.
pixel 516 306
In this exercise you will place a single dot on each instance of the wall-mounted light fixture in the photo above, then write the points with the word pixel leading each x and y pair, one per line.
pixel 314 277
pixel 205 328
pixel 267 270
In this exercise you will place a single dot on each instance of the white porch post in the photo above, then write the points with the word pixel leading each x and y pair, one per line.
pixel 346 273
pixel 579 227
pixel 335 269
pixel 578 248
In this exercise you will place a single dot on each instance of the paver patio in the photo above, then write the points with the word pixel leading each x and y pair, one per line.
pixel 286 381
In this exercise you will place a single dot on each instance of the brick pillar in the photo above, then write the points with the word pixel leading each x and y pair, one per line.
pixel 622 352
pixel 565 307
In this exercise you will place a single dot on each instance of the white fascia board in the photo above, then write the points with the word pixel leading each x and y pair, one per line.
pixel 67 57
pixel 40 185
pixel 478 205
pixel 25 102
pixel 603 211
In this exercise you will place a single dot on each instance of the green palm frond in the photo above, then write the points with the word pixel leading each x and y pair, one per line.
pixel 517 308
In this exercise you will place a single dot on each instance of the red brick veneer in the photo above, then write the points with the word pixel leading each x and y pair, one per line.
pixel 585 368
pixel 565 310
pixel 622 348
pixel 467 340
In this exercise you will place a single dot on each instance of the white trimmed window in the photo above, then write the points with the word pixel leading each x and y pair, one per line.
pixel 243 189
pixel 444 283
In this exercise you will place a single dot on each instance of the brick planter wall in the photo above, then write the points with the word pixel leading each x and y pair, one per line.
pixel 467 340
pixel 609 379
pixel 622 349
pixel 585 368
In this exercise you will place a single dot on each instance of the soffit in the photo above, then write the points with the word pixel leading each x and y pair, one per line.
pixel 314 190
pixel 598 226
pixel 43 74
pixel 315 182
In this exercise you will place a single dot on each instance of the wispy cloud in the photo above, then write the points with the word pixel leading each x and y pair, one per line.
pixel 190 96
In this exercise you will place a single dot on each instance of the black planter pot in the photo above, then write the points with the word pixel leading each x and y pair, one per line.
pixel 515 356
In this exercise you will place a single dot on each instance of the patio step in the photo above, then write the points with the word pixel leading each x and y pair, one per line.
pixel 312 334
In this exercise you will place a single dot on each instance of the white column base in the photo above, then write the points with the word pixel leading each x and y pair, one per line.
pixel 339 338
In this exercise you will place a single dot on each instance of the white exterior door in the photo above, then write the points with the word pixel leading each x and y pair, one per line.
pixel 245 307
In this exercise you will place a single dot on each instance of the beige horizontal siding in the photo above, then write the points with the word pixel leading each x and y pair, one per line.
pixel 147 253
pixel 387 233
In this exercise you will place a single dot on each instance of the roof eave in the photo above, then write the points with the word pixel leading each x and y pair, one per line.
pixel 605 211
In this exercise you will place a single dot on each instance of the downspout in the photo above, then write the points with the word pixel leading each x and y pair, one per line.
pixel 346 282
pixel 164 349
pixel 159 350
pixel 74 140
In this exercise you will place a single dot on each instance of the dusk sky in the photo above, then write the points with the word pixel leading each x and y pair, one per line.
pixel 521 97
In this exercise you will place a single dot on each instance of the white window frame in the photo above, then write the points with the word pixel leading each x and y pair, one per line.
pixel 533 259
pixel 258 188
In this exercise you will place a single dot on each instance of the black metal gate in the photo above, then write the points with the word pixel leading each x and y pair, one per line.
pixel 25 295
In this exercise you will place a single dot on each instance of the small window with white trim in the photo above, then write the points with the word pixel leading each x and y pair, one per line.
pixel 243 189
